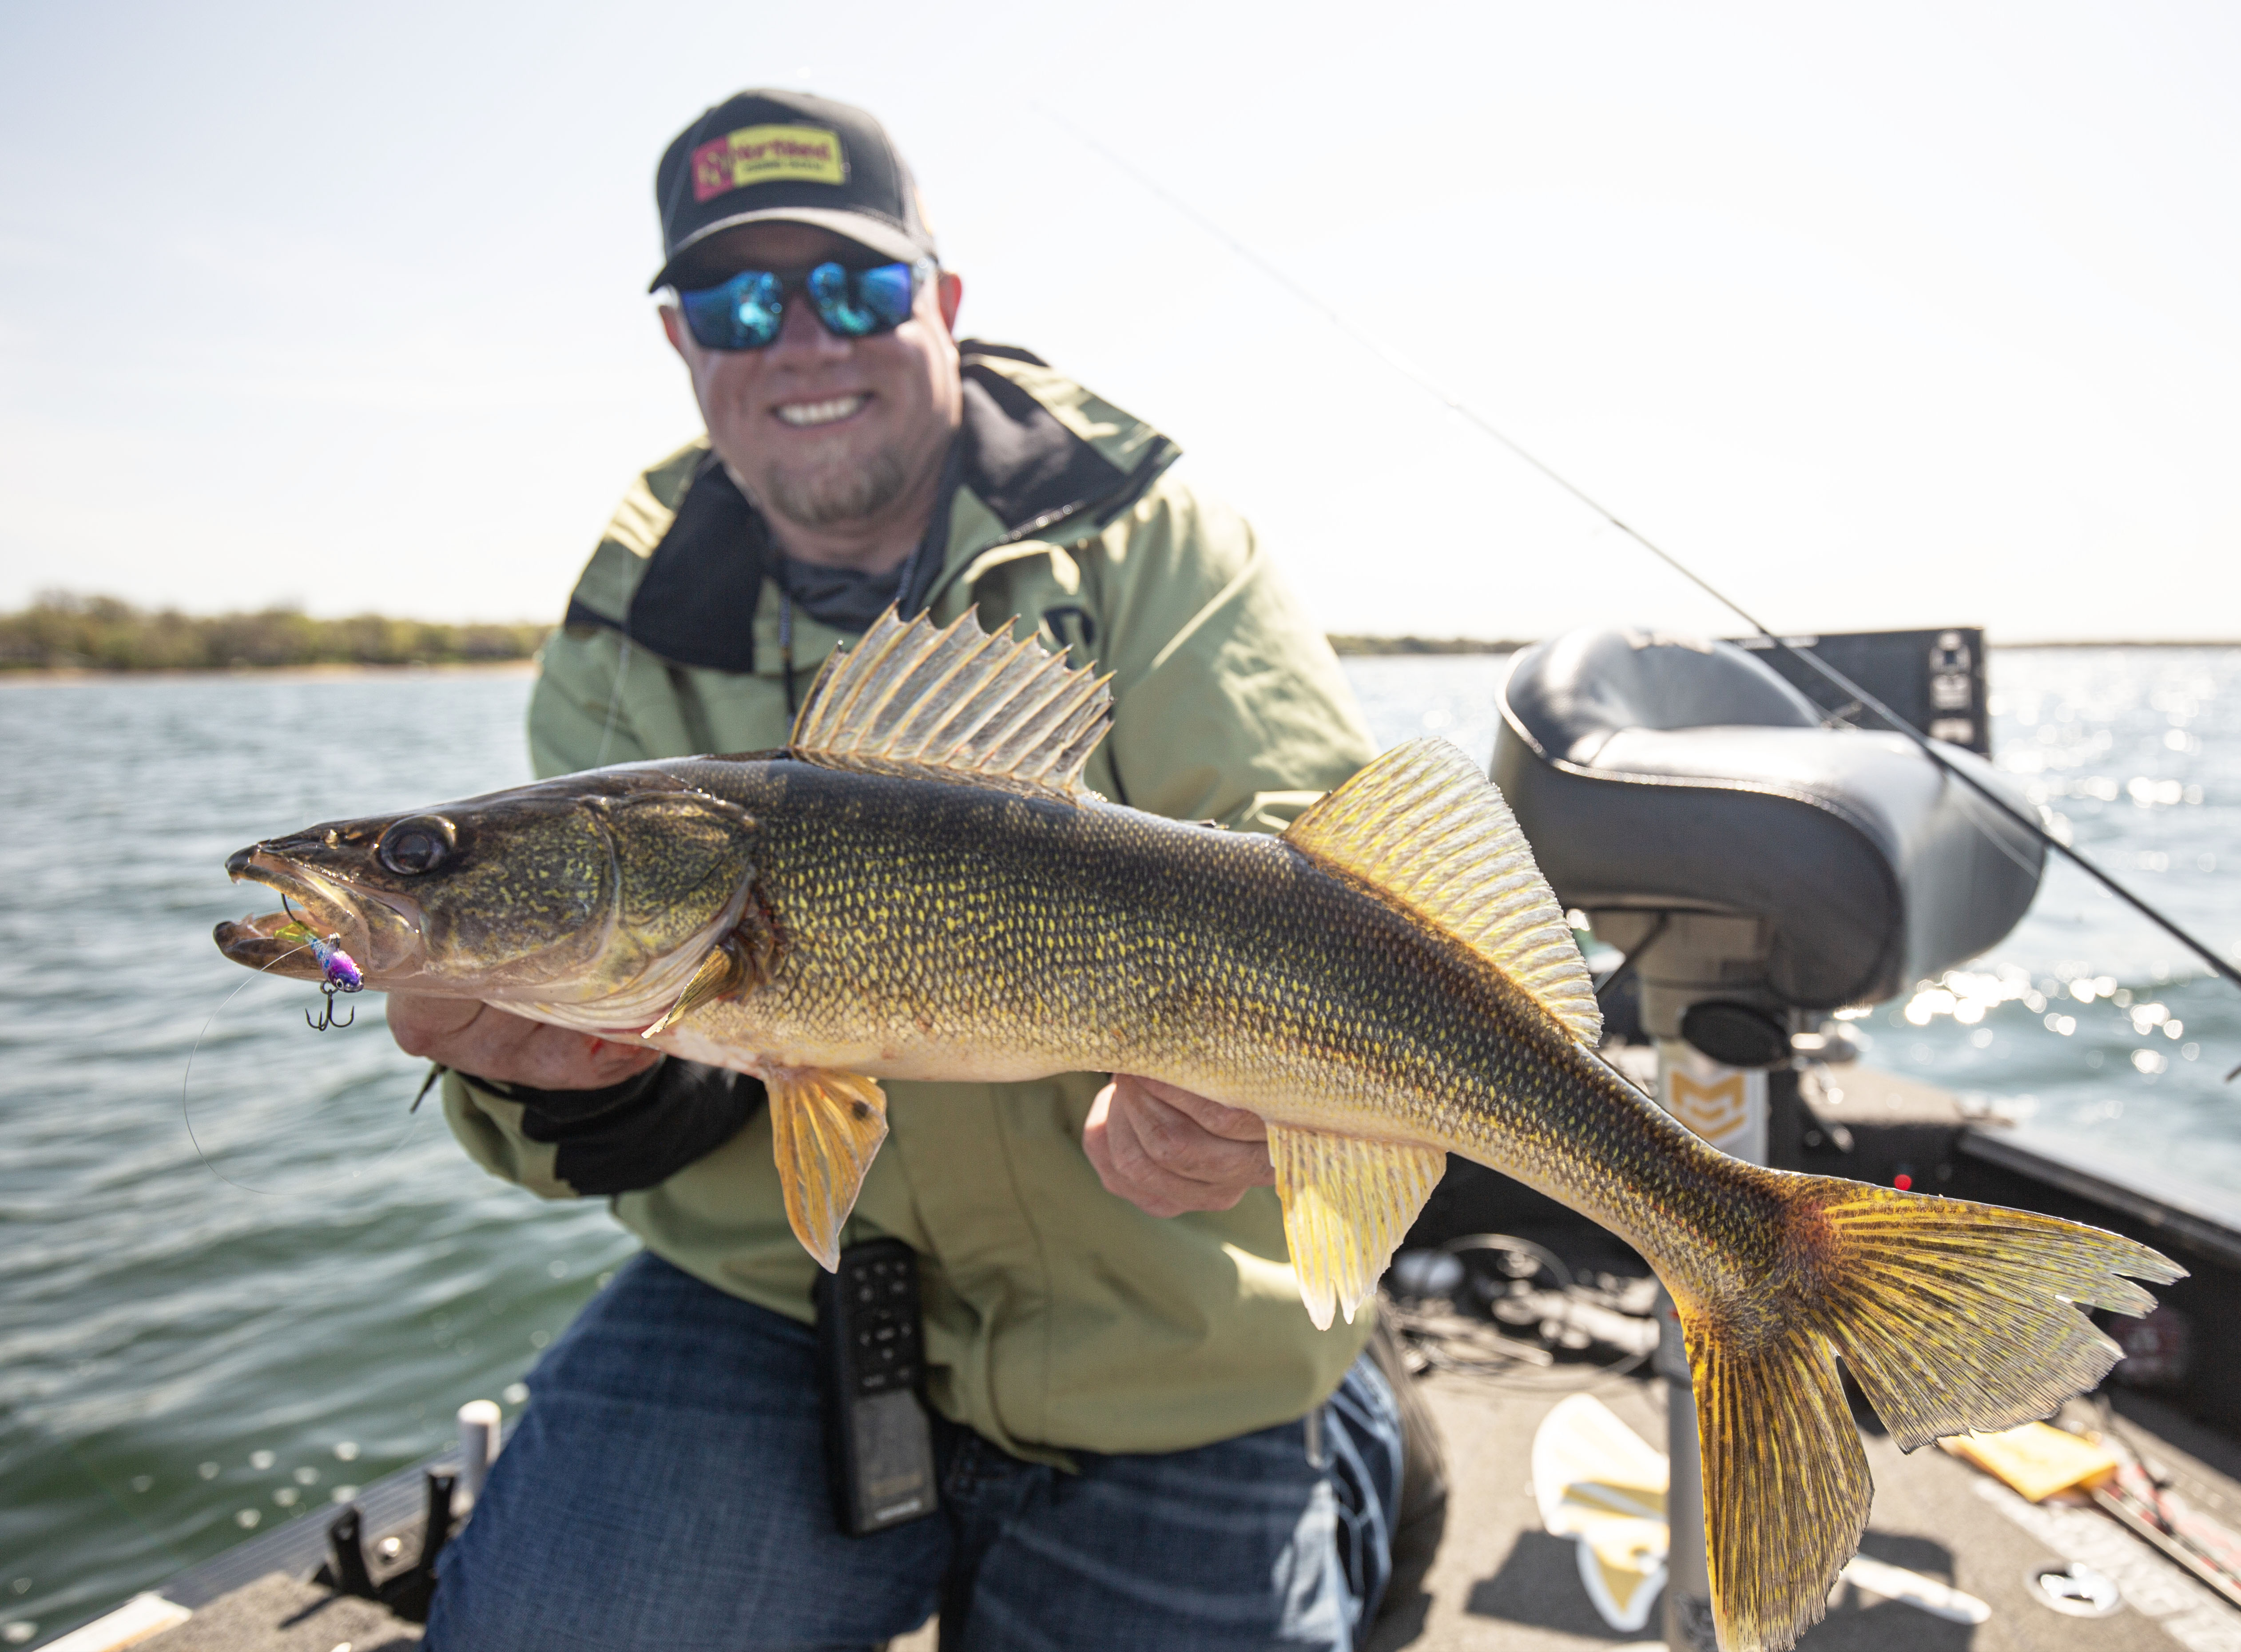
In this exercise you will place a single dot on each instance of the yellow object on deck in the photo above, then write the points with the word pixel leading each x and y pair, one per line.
pixel 2035 1460
pixel 1596 1479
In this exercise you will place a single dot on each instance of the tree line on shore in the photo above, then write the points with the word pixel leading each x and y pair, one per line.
pixel 60 631
pixel 1349 643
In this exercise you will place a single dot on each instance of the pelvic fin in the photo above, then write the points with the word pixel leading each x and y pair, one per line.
pixel 825 1128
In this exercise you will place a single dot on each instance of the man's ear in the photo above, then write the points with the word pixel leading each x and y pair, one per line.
pixel 951 292
pixel 673 325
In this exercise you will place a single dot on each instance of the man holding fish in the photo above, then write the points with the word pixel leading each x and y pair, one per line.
pixel 966 873
pixel 1147 1443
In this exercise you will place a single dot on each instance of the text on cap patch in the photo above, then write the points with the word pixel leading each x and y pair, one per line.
pixel 762 154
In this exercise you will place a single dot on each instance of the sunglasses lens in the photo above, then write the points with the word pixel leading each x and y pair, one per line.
pixel 837 306
pixel 742 314
pixel 745 312
pixel 857 302
pixel 887 291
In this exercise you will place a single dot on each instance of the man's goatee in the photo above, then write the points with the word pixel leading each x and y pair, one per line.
pixel 823 498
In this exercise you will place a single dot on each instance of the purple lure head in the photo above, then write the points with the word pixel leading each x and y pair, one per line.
pixel 340 971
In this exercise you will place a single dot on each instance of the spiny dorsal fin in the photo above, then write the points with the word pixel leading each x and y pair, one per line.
pixel 824 1128
pixel 954 702
pixel 1347 1203
pixel 1423 825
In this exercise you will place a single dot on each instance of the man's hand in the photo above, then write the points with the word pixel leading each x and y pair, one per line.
pixel 1167 1151
pixel 486 1043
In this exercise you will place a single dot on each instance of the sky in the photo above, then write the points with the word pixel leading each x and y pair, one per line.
pixel 1891 315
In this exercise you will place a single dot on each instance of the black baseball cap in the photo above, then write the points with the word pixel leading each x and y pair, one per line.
pixel 789 156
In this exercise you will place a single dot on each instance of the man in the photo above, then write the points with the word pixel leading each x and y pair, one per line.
pixel 1141 1440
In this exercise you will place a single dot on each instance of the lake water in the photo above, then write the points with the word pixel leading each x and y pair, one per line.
pixel 236 1287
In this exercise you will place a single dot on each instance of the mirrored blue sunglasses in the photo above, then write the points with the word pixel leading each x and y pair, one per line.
pixel 745 311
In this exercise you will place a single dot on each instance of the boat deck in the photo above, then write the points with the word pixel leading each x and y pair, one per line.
pixel 1499 1580
pixel 1502 1584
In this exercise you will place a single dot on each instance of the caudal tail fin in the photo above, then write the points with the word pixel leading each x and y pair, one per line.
pixel 1952 1316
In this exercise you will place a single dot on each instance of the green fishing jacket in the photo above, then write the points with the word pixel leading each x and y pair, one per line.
pixel 1057 1314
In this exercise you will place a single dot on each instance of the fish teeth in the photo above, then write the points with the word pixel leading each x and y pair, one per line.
pixel 801 415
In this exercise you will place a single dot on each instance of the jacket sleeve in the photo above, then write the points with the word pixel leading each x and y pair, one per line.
pixel 1229 704
pixel 563 1144
pixel 596 701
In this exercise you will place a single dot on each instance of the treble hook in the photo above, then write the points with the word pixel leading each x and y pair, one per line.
pixel 337 973
pixel 327 1010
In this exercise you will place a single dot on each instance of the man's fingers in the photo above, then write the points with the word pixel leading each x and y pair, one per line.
pixel 1117 1153
pixel 491 1043
pixel 421 1025
pixel 1237 1124
pixel 1177 1142
pixel 1157 1157
pixel 560 1060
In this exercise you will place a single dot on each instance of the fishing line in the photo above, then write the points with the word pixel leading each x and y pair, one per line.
pixel 614 703
pixel 186 1109
pixel 1800 652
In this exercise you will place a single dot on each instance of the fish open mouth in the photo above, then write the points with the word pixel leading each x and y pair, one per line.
pixel 379 931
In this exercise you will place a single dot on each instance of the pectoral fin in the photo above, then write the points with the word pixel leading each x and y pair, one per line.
pixel 1346 1204
pixel 720 971
pixel 824 1128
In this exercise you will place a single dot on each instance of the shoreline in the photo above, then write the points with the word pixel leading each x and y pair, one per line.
pixel 2127 642
pixel 1402 648
pixel 1418 648
pixel 49 675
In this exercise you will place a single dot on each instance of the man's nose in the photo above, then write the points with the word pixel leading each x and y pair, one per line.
pixel 799 331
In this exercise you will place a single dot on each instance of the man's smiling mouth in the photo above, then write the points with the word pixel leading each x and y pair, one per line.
pixel 802 415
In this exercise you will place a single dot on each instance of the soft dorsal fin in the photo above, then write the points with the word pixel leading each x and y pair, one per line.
pixel 1425 827
pixel 1347 1203
pixel 954 702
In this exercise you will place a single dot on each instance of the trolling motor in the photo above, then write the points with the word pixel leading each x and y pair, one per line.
pixel 1759 868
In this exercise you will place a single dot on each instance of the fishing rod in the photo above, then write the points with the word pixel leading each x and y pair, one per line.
pixel 1801 653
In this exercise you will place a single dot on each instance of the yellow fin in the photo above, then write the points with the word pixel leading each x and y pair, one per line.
pixel 1425 827
pixel 954 702
pixel 1953 1316
pixel 1785 1481
pixel 824 1128
pixel 1346 1204
pixel 722 970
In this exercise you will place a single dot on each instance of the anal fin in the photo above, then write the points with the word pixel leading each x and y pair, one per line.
pixel 825 1128
pixel 1346 1204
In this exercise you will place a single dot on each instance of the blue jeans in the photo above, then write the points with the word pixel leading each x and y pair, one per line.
pixel 666 1487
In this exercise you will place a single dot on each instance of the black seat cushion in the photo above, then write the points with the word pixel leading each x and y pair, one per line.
pixel 1658 774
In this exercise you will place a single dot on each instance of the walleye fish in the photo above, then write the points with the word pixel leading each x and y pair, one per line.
pixel 918 887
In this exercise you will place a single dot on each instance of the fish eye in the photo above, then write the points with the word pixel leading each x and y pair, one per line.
pixel 416 845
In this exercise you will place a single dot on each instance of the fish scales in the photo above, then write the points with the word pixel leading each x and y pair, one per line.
pixel 935 931
pixel 919 888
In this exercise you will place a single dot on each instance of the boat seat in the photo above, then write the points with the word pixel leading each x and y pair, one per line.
pixel 1657 774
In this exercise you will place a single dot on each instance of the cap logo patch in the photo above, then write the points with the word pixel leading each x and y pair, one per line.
pixel 768 155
